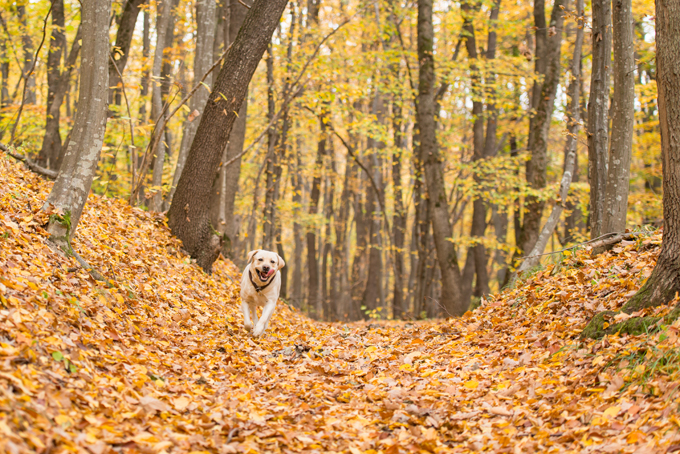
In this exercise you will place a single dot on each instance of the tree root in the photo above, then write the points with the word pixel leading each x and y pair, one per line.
pixel 633 326
pixel 51 174
pixel 96 275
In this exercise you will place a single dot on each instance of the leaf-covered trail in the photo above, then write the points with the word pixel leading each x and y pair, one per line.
pixel 160 362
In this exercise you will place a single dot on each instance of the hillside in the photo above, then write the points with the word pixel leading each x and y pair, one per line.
pixel 157 361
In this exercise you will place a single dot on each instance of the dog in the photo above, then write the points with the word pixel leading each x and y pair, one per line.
pixel 260 286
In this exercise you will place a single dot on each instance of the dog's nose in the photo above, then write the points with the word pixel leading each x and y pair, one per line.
pixel 265 268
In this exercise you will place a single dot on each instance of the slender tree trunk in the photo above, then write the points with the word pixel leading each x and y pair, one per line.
pixel 164 17
pixel 51 145
pixel 203 60
pixel 269 215
pixel 372 292
pixel 399 303
pixel 313 298
pixel 623 119
pixel 189 216
pixel 27 43
pixel 598 113
pixel 326 288
pixel 146 50
pixel 4 80
pixel 358 273
pixel 432 165
pixel 121 52
pixel 339 291
pixel 297 295
pixel 533 258
pixel 223 200
pixel 536 167
pixel 72 186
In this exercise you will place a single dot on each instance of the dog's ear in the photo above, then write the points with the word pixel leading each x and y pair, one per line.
pixel 251 254
pixel 281 262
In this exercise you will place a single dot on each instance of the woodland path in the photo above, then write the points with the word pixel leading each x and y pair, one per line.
pixel 159 361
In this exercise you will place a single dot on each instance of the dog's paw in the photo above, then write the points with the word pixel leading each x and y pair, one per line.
pixel 248 326
pixel 259 329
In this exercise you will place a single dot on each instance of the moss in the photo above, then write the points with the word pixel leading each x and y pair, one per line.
pixel 595 329
pixel 633 326
pixel 641 299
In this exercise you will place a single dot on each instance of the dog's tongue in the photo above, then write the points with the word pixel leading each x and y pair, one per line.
pixel 271 272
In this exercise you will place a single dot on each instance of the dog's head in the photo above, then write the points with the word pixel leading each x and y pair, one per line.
pixel 264 264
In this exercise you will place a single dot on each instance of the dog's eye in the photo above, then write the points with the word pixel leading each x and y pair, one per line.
pixel 260 260
pixel 271 261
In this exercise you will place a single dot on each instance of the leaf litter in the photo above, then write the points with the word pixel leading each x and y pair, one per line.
pixel 157 360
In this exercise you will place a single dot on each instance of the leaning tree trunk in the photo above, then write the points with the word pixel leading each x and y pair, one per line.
pixel 533 257
pixel 189 214
pixel 126 28
pixel 598 113
pixel 623 120
pixel 664 282
pixel 203 60
pixel 537 166
pixel 432 165
pixel 72 186
pixel 51 145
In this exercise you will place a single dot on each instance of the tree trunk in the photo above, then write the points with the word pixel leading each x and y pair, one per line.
pixel 121 52
pixel 399 303
pixel 4 80
pixel 372 296
pixel 164 16
pixel 27 43
pixel 297 296
pixel 73 183
pixel 358 273
pixel 51 145
pixel 544 100
pixel 203 60
pixel 573 121
pixel 432 165
pixel 189 216
pixel 664 282
pixel 313 297
pixel 269 214
pixel 598 113
pixel 339 278
pixel 223 199
pixel 623 119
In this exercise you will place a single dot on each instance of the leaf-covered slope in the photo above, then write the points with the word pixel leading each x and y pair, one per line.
pixel 159 362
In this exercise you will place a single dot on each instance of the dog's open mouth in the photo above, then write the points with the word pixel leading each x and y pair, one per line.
pixel 265 275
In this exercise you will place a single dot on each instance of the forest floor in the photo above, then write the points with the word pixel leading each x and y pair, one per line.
pixel 158 361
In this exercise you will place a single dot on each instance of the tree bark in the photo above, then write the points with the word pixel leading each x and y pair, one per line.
pixel 203 60
pixel 224 194
pixel 121 50
pixel 598 113
pixel 544 101
pixel 297 294
pixel 664 282
pixel 27 43
pixel 162 25
pixel 73 183
pixel 432 165
pixel 339 277
pixel 399 303
pixel 313 283
pixel 269 214
pixel 623 119
pixel 533 258
pixel 51 145
pixel 189 216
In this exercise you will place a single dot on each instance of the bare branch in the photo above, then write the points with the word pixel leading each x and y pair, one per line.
pixel 52 174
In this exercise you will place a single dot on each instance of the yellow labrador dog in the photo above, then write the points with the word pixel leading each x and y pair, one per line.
pixel 260 286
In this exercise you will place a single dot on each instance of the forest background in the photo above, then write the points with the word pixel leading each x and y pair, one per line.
pixel 322 163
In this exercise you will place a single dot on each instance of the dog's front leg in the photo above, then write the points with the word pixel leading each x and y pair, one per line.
pixel 253 309
pixel 245 308
pixel 264 319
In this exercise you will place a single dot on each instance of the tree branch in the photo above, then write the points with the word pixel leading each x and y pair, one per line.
pixel 52 174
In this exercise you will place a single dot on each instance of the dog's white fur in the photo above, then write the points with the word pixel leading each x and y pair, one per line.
pixel 267 297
